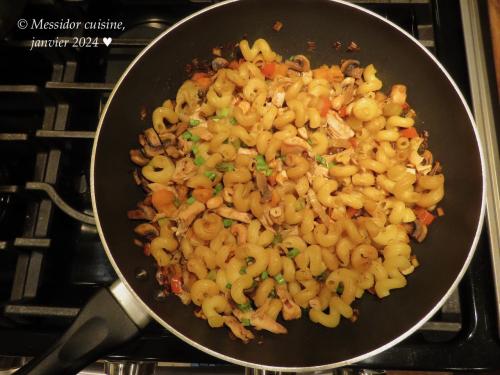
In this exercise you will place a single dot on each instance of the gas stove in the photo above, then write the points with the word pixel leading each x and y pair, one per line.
pixel 51 258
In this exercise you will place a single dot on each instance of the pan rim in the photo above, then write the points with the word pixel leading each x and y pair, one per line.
pixel 346 362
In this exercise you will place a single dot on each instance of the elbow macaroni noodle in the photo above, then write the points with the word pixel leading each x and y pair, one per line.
pixel 288 189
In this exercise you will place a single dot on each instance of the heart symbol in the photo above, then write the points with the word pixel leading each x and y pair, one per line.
pixel 107 41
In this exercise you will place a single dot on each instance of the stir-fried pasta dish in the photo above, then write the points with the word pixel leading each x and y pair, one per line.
pixel 275 190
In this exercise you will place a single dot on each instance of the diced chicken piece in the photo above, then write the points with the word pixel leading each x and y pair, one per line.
pixel 290 309
pixel 336 126
pixel 281 177
pixel 184 169
pixel 237 328
pixel 231 213
pixel 303 133
pixel 187 216
pixel 227 194
pixel 278 97
pixel 317 207
pixel 260 320
pixel 320 170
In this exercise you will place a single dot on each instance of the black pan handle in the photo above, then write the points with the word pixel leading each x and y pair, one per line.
pixel 111 317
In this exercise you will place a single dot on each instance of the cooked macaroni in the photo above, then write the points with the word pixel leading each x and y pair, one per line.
pixel 274 190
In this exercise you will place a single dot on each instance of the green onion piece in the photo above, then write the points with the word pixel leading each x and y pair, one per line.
pixel 195 138
pixel 195 149
pixel 211 175
pixel 243 270
pixel 229 285
pixel 291 58
pixel 227 223
pixel 264 275
pixel 292 253
pixel 177 202
pixel 186 135
pixel 245 307
pixel 212 275
pixel 261 165
pixel 223 112
pixel 309 140
pixel 250 260
pixel 199 160
pixel 194 122
pixel 225 167
pixel 218 188
pixel 246 322
pixel 233 121
pixel 190 200
pixel 321 160
pixel 280 279
pixel 331 164
pixel 340 288
pixel 277 239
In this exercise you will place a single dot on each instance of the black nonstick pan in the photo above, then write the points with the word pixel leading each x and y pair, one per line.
pixel 116 315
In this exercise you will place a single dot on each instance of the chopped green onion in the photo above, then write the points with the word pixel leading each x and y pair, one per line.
pixel 225 167
pixel 321 160
pixel 279 278
pixel 245 307
pixel 199 160
pixel 227 223
pixel 291 58
pixel 331 164
pixel 212 275
pixel 195 138
pixel 340 288
pixel 277 239
pixel 177 202
pixel 245 322
pixel 261 165
pixel 186 135
pixel 229 285
pixel 194 122
pixel 211 175
pixel 233 121
pixel 292 253
pixel 218 188
pixel 264 275
pixel 195 149
pixel 250 260
pixel 190 200
pixel 309 140
pixel 243 270
pixel 223 112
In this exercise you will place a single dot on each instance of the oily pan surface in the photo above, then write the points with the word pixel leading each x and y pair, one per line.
pixel 157 77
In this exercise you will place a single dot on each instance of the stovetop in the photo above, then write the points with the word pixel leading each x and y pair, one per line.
pixel 51 259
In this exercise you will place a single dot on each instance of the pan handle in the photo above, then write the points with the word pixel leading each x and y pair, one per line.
pixel 112 317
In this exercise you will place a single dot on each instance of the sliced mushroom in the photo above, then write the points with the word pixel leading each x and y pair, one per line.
pixel 138 158
pixel 300 63
pixel 152 137
pixel 152 151
pixel 219 63
pixel 420 231
pixel 351 68
pixel 147 230
pixel 231 213
pixel 237 328
pixel 263 187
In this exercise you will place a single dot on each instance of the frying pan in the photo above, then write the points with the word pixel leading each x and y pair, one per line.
pixel 115 315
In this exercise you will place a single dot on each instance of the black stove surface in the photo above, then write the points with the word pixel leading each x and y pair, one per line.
pixel 51 259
